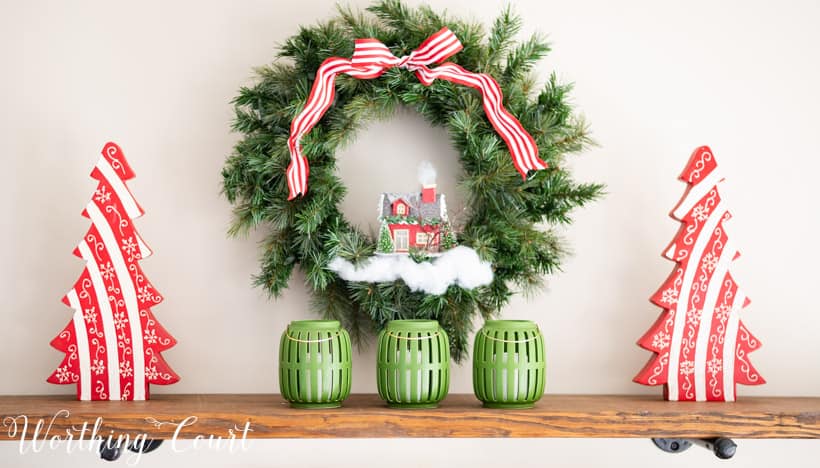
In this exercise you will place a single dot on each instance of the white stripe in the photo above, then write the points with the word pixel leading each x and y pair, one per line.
pixel 107 319
pixel 291 180
pixel 729 346
pixel 683 298
pixel 82 346
pixel 128 293
pixel 145 251
pixel 696 193
pixel 705 327
pixel 442 46
pixel 421 55
pixel 131 207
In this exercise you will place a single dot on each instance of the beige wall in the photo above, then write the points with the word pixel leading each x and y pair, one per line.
pixel 655 79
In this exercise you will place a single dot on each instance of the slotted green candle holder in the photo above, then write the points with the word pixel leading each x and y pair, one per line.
pixel 413 364
pixel 315 363
pixel 509 366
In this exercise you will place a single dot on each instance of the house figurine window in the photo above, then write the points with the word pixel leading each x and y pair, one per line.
pixel 401 210
pixel 422 239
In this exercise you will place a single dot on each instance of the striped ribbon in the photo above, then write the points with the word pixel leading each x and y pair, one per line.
pixel 371 59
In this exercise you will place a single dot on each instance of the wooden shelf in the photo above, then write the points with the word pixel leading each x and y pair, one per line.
pixel 621 416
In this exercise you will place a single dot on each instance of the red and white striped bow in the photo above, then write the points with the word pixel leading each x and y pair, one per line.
pixel 370 60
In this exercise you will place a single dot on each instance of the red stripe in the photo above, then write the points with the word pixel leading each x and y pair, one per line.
pixel 438 51
pixel 728 290
pixel 97 341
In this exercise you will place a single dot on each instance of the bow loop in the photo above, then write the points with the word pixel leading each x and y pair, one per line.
pixel 371 58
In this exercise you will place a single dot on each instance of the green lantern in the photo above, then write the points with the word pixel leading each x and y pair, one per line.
pixel 509 365
pixel 413 364
pixel 315 363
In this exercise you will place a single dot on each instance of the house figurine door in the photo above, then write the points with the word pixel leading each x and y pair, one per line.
pixel 402 238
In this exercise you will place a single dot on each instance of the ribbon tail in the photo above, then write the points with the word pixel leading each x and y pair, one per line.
pixel 522 145
pixel 318 102
pixel 297 175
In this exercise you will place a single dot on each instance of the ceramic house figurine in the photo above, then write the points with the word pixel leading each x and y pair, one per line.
pixel 415 220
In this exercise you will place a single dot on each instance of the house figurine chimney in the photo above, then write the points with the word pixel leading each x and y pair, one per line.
pixel 428 193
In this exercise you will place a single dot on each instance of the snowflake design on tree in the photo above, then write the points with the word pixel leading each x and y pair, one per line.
pixel 700 213
pixel 710 262
pixel 693 316
pixel 144 294
pixel 151 372
pixel 151 336
pixel 661 340
pixel 129 247
pixel 714 366
pixel 687 367
pixel 120 320
pixel 107 271
pixel 90 315
pixel 670 296
pixel 98 367
pixel 63 374
pixel 722 312
pixel 125 369
pixel 102 195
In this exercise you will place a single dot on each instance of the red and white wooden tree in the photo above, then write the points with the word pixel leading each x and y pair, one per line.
pixel 113 342
pixel 701 346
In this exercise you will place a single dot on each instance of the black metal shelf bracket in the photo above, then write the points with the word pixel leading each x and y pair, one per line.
pixel 723 447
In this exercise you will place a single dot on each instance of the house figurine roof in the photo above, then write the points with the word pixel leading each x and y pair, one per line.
pixel 418 209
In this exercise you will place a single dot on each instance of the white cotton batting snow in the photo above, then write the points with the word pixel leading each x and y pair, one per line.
pixel 460 266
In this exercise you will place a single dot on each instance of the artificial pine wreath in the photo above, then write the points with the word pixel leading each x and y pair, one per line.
pixel 509 220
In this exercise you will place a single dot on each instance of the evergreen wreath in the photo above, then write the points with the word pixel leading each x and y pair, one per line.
pixel 509 222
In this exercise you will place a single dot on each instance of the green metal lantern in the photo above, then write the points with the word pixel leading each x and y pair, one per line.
pixel 413 364
pixel 509 365
pixel 315 363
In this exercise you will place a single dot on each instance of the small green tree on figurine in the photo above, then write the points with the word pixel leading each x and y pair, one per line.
pixel 385 242
pixel 448 239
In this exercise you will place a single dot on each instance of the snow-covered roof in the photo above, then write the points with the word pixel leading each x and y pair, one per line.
pixel 427 211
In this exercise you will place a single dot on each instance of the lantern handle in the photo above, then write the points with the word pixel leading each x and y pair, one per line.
pixel 299 340
pixel 501 340
pixel 414 338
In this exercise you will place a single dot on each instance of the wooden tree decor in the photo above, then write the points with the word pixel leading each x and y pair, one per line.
pixel 701 346
pixel 113 342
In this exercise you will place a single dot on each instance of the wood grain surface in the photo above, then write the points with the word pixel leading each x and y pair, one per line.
pixel 365 416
